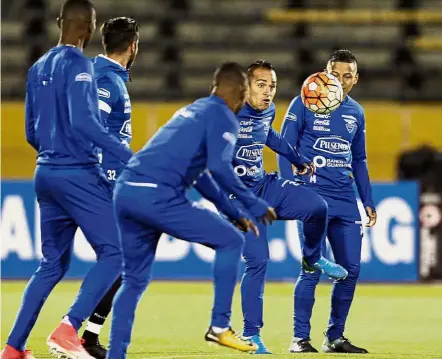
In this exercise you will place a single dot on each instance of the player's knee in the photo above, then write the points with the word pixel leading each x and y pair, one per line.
pixel 318 208
pixel 257 267
pixel 108 252
pixel 309 278
pixel 234 239
pixel 256 262
pixel 113 259
pixel 353 271
pixel 53 270
pixel 137 283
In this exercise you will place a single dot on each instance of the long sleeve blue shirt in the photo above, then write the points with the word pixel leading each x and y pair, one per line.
pixel 256 132
pixel 62 117
pixel 335 143
pixel 115 108
pixel 198 137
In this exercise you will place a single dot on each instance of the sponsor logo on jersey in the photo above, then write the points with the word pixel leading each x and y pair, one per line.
pixel 84 76
pixel 126 129
pixel 244 135
pixel 319 115
pixel 103 93
pixel 250 153
pixel 322 122
pixel 321 128
pixel 246 129
pixel 333 145
pixel 351 122
pixel 291 117
pixel 127 107
pixel 246 123
pixel 321 161
pixel 242 170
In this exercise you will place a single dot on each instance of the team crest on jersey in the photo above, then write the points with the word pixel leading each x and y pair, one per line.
pixel 351 123
pixel 126 129
pixel 266 122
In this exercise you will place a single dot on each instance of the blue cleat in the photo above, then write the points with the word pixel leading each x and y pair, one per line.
pixel 329 268
pixel 256 339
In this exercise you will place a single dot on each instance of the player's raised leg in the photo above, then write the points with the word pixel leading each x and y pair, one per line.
pixel 345 237
pixel 170 212
pixel 295 201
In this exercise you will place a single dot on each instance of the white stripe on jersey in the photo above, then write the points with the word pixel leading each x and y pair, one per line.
pixel 141 184
pixel 103 106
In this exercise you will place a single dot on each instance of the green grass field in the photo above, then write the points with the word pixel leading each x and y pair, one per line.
pixel 391 321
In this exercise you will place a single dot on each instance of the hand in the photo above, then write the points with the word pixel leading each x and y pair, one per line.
pixel 371 216
pixel 245 225
pixel 309 168
pixel 269 216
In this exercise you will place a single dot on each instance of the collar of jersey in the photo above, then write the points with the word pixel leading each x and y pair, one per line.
pixel 111 60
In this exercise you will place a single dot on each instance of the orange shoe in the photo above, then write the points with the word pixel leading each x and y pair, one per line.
pixel 11 353
pixel 64 343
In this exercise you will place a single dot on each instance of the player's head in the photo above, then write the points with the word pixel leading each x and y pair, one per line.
pixel 343 65
pixel 262 84
pixel 230 83
pixel 120 36
pixel 77 20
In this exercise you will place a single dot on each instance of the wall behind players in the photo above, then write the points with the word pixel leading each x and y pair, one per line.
pixel 391 128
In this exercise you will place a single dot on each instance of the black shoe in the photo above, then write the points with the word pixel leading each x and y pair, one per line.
pixel 341 345
pixel 96 350
pixel 301 346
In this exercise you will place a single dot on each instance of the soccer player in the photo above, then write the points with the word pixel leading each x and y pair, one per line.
pixel 336 145
pixel 290 200
pixel 150 199
pixel 64 127
pixel 120 37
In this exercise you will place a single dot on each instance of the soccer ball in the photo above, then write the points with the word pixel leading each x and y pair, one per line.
pixel 322 93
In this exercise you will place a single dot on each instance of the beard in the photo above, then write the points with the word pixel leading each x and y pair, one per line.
pixel 131 61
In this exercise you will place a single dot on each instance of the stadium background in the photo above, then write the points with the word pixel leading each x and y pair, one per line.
pixel 399 47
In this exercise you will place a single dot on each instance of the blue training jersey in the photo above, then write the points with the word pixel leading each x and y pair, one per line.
pixel 115 108
pixel 199 136
pixel 255 133
pixel 335 143
pixel 62 117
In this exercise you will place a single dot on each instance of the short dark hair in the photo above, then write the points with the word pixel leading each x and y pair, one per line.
pixel 74 9
pixel 118 33
pixel 259 64
pixel 229 73
pixel 343 56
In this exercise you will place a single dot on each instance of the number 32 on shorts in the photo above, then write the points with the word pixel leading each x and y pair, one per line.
pixel 111 174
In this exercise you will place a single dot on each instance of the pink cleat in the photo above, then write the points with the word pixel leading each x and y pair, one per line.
pixel 11 353
pixel 64 343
